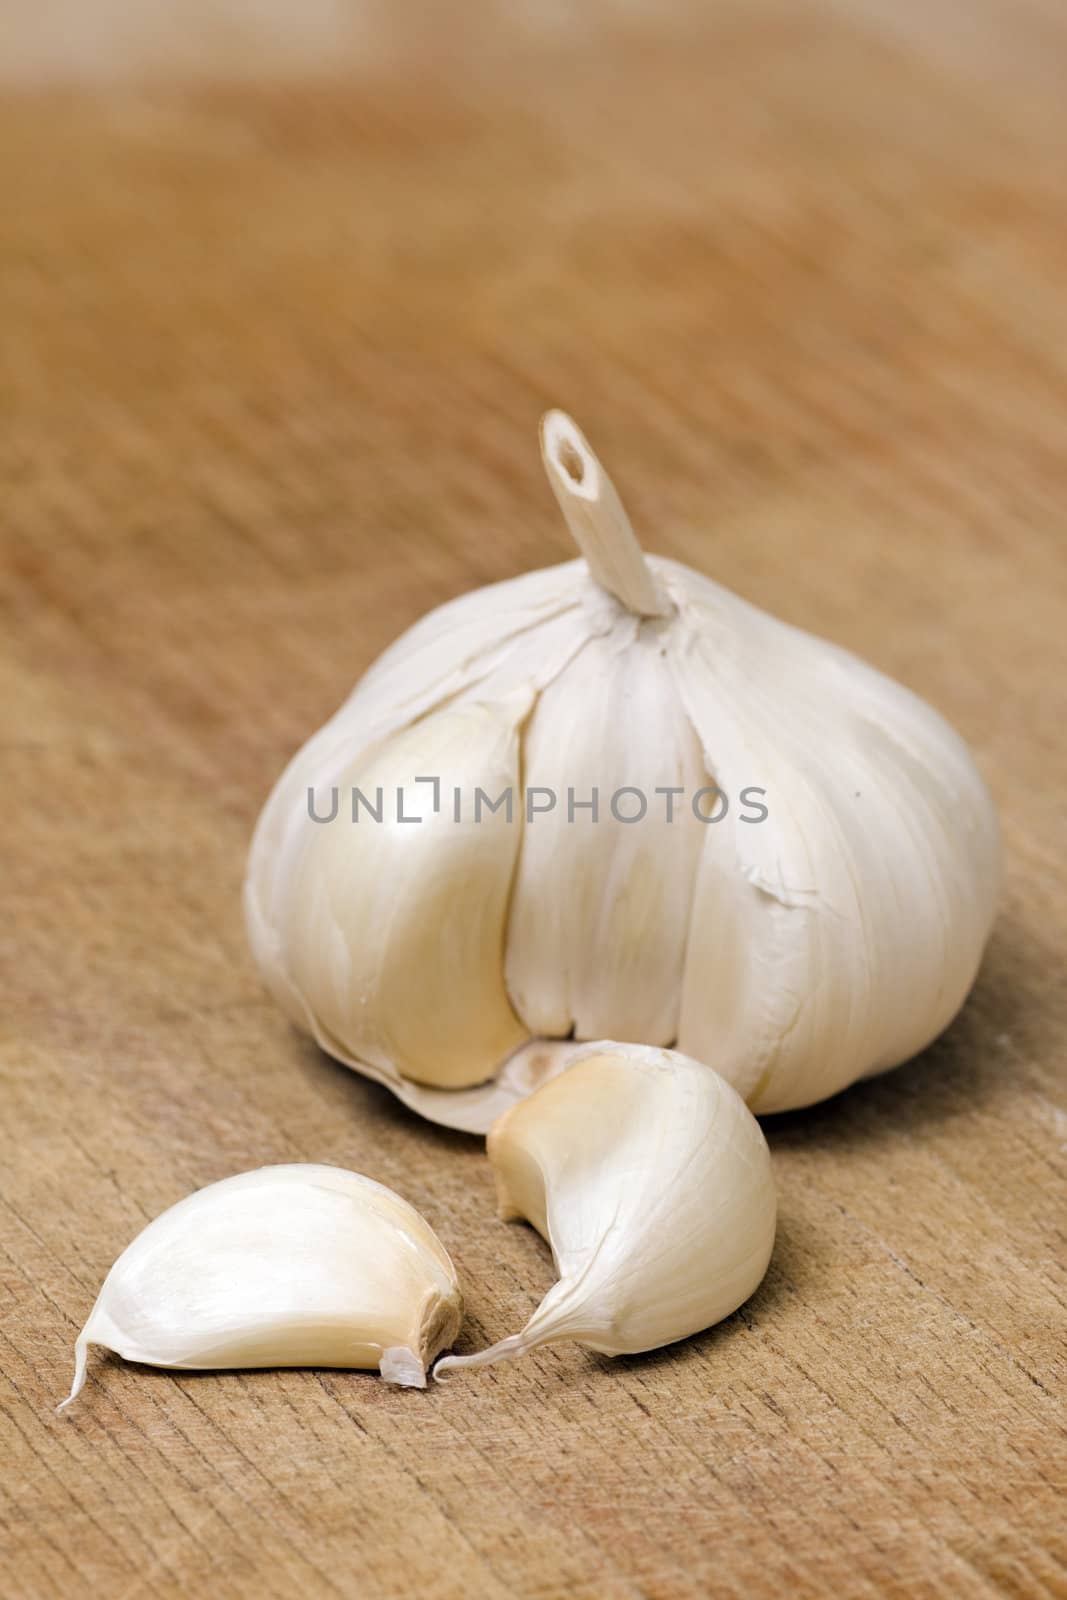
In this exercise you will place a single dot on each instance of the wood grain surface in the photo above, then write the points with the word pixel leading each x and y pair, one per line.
pixel 273 359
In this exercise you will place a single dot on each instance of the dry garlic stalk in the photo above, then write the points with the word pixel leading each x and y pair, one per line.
pixel 292 1266
pixel 826 925
pixel 651 1181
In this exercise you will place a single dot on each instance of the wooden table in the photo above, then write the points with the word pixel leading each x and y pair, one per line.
pixel 273 361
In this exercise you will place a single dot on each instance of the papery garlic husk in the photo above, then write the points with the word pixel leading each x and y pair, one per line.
pixel 288 1266
pixel 651 1181
pixel 458 962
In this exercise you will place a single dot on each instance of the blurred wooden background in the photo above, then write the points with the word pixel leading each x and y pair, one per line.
pixel 284 293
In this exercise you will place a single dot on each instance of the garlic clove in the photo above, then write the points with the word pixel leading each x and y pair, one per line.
pixel 397 926
pixel 849 925
pixel 651 1181
pixel 286 1266
pixel 593 884
pixel 287 887
pixel 519 633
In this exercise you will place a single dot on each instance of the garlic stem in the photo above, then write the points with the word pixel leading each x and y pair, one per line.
pixel 81 1362
pixel 595 516
pixel 504 1349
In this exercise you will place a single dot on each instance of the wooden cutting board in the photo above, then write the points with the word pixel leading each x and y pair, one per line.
pixel 273 359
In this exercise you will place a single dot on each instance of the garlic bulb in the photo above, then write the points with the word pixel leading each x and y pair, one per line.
pixel 291 1266
pixel 720 833
pixel 660 1211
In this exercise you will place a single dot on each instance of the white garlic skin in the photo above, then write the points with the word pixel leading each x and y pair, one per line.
pixel 831 940
pixel 287 1266
pixel 651 1181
